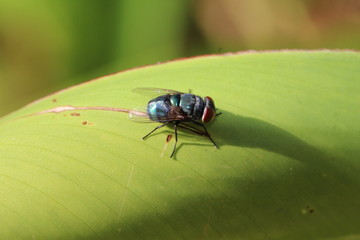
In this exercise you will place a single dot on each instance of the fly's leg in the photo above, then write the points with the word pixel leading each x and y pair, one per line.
pixel 155 130
pixel 176 123
pixel 192 129
pixel 207 133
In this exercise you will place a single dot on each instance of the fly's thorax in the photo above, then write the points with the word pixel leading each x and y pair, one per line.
pixel 198 108
pixel 192 105
pixel 187 102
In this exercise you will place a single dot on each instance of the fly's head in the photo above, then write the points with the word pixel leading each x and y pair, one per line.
pixel 209 110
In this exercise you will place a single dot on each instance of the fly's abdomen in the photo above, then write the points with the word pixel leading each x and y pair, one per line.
pixel 175 100
pixel 159 108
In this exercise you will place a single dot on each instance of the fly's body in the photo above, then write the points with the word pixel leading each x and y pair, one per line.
pixel 180 108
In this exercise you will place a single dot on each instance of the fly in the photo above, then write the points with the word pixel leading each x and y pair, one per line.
pixel 179 108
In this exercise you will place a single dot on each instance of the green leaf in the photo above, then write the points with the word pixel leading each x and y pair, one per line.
pixel 287 168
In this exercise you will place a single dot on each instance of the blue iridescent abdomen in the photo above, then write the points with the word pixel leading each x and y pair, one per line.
pixel 159 108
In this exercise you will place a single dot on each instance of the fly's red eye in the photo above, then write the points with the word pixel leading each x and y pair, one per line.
pixel 208 114
pixel 209 110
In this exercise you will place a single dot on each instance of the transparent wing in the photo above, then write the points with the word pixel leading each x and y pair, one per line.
pixel 141 115
pixel 155 91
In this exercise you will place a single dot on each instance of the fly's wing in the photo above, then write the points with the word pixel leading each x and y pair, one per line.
pixel 141 115
pixel 175 114
pixel 155 91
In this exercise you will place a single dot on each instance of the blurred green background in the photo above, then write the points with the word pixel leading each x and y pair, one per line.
pixel 49 45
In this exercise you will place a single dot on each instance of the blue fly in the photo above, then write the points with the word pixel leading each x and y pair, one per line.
pixel 178 108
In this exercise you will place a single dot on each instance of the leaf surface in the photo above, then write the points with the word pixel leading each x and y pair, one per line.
pixel 287 168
